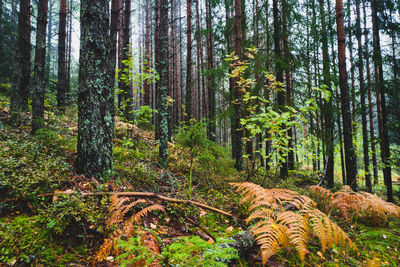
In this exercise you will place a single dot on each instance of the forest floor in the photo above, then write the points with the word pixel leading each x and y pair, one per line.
pixel 43 230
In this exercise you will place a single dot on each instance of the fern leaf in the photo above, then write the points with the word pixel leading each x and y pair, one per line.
pixel 138 216
pixel 298 231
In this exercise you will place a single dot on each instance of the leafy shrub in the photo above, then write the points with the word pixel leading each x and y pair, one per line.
pixel 143 117
pixel 194 251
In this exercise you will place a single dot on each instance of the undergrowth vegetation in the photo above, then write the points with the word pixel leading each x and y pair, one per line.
pixel 52 217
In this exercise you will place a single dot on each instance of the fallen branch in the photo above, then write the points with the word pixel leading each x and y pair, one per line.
pixel 142 194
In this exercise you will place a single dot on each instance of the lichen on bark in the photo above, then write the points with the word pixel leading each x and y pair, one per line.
pixel 96 97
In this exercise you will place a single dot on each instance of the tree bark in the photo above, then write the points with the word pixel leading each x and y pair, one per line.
pixel 327 108
pixel 124 85
pixel 162 69
pixel 96 97
pixel 237 144
pixel 21 75
pixel 49 50
pixel 62 89
pixel 362 99
pixel 189 85
pixel 69 47
pixel 380 83
pixel 350 156
pixel 211 84
pixel 38 86
pixel 147 55
pixel 281 98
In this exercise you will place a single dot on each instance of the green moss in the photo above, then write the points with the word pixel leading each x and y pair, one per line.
pixel 25 240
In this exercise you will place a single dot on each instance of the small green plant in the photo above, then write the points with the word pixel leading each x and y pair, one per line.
pixel 194 251
pixel 135 252
pixel 143 117
pixel 192 136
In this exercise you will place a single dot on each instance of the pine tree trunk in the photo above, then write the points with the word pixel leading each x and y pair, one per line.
pixel 162 69
pixel 335 74
pixel 69 47
pixel 362 99
pixel 281 99
pixel 380 83
pixel 22 70
pixel 96 97
pixel 237 144
pixel 327 108
pixel 147 55
pixel 49 51
pixel 350 156
pixel 189 83
pixel 38 86
pixel 211 84
pixel 112 46
pixel 289 89
pixel 124 85
pixel 120 49
pixel 62 89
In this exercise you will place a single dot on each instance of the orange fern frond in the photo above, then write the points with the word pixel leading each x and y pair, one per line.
pixel 351 204
pixel 275 227
pixel 138 216
pixel 118 210
pixel 298 231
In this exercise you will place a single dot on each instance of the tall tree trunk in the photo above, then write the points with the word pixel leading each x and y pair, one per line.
pixel 362 98
pixel 211 84
pixel 49 36
pixel 96 97
pixel 147 55
pixel 237 144
pixel 352 76
pixel 327 108
pixel 120 48
pixel 350 156
pixel 281 99
pixel 380 83
pixel 69 46
pixel 289 89
pixel 21 75
pixel 112 46
pixel 157 62
pixel 228 36
pixel 124 85
pixel 189 82
pixel 162 69
pixel 335 74
pixel 38 89
pixel 62 89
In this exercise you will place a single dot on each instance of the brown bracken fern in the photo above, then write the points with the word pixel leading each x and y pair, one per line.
pixel 351 205
pixel 124 217
pixel 281 217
